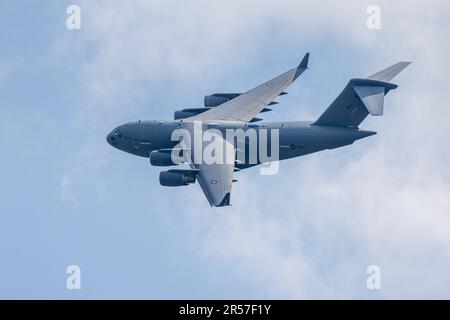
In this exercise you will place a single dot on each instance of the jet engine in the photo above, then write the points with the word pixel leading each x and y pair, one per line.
pixel 186 113
pixel 161 159
pixel 176 178
pixel 218 98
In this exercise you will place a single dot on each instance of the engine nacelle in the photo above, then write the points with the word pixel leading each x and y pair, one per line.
pixel 161 159
pixel 218 98
pixel 176 178
pixel 186 113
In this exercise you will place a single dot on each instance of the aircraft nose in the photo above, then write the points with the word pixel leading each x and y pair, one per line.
pixel 110 138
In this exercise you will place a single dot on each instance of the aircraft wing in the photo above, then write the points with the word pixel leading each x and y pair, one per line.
pixel 216 179
pixel 247 105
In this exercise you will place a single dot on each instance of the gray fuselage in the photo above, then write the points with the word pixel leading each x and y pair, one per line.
pixel 296 138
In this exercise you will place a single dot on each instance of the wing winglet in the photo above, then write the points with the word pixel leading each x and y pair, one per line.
pixel 302 66
pixel 225 201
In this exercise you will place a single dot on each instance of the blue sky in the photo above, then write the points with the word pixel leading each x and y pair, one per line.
pixel 310 231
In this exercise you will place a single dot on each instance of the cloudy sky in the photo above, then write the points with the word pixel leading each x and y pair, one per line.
pixel 311 231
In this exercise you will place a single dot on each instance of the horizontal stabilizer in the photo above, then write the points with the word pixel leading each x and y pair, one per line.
pixel 388 74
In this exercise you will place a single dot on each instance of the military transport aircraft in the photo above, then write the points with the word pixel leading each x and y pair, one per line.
pixel 336 127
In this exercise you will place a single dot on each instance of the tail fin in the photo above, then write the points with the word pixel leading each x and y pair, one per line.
pixel 361 97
